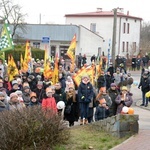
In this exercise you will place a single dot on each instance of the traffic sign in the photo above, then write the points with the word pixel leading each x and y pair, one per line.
pixel 45 39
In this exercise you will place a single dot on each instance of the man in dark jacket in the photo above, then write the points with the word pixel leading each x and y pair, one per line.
pixel 145 86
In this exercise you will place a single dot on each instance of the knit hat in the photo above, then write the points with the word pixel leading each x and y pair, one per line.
pixel 39 83
pixel 26 87
pixel 13 94
pixel 32 94
pixel 18 92
pixel 2 94
pixel 3 89
pixel 113 85
pixel 124 88
pixel 14 82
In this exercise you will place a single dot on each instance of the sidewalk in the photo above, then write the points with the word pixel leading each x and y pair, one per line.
pixel 141 140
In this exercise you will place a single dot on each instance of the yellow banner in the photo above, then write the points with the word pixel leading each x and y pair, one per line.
pixel 71 49
pixel 78 76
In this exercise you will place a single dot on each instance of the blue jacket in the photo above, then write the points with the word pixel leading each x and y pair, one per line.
pixel 85 92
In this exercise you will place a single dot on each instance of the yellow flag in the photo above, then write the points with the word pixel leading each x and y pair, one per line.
pixel 55 72
pixel 78 76
pixel 21 62
pixel 27 58
pixel 47 70
pixel 71 49
pixel 12 68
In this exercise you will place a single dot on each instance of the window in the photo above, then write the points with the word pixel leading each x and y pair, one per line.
pixel 124 27
pixel 36 44
pixel 123 46
pixel 127 46
pixel 134 46
pixel 128 28
pixel 63 51
pixel 93 27
pixel 53 51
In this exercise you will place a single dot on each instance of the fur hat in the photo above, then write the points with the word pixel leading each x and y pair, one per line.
pixel 13 94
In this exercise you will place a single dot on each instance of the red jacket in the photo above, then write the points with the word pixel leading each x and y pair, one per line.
pixel 49 103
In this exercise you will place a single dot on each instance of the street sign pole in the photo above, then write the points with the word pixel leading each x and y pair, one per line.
pixel 46 42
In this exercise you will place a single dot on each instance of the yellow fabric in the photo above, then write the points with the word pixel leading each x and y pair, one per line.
pixel 147 94
pixel 12 68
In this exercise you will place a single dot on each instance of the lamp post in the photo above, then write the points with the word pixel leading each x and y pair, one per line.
pixel 114 36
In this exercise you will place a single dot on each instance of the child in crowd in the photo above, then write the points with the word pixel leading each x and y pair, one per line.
pixel 101 109
pixel 33 99
pixel 49 103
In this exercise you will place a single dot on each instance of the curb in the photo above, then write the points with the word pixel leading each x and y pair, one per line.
pixel 130 138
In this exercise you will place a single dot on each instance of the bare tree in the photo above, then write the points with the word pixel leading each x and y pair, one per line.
pixel 145 38
pixel 14 16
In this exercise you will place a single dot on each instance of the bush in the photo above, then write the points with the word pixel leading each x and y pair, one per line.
pixel 30 129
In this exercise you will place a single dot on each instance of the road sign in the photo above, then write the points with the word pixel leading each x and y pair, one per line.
pixel 45 39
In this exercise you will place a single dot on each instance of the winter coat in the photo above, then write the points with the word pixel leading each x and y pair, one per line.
pixel 15 106
pixel 34 103
pixel 101 81
pixel 40 94
pixel 63 83
pixel 49 103
pixel 60 95
pixel 108 81
pixel 100 113
pixel 3 106
pixel 26 98
pixel 144 84
pixel 113 94
pixel 85 90
pixel 120 104
pixel 74 114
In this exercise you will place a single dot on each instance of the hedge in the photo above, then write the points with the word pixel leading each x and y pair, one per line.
pixel 36 53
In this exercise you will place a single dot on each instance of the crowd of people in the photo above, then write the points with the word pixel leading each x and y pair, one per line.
pixel 110 94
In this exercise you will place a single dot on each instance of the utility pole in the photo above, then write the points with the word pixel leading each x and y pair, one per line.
pixel 114 36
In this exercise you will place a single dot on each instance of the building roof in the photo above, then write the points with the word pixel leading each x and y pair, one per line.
pixel 101 14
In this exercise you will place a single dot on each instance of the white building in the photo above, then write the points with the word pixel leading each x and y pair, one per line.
pixel 101 23
pixel 60 37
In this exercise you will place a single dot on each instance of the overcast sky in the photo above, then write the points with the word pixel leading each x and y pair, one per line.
pixel 53 11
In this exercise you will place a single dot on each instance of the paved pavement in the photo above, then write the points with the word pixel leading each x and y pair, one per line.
pixel 141 140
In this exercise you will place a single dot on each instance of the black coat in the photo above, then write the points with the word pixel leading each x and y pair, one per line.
pixel 85 90
pixel 101 81
pixel 113 108
pixel 74 114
